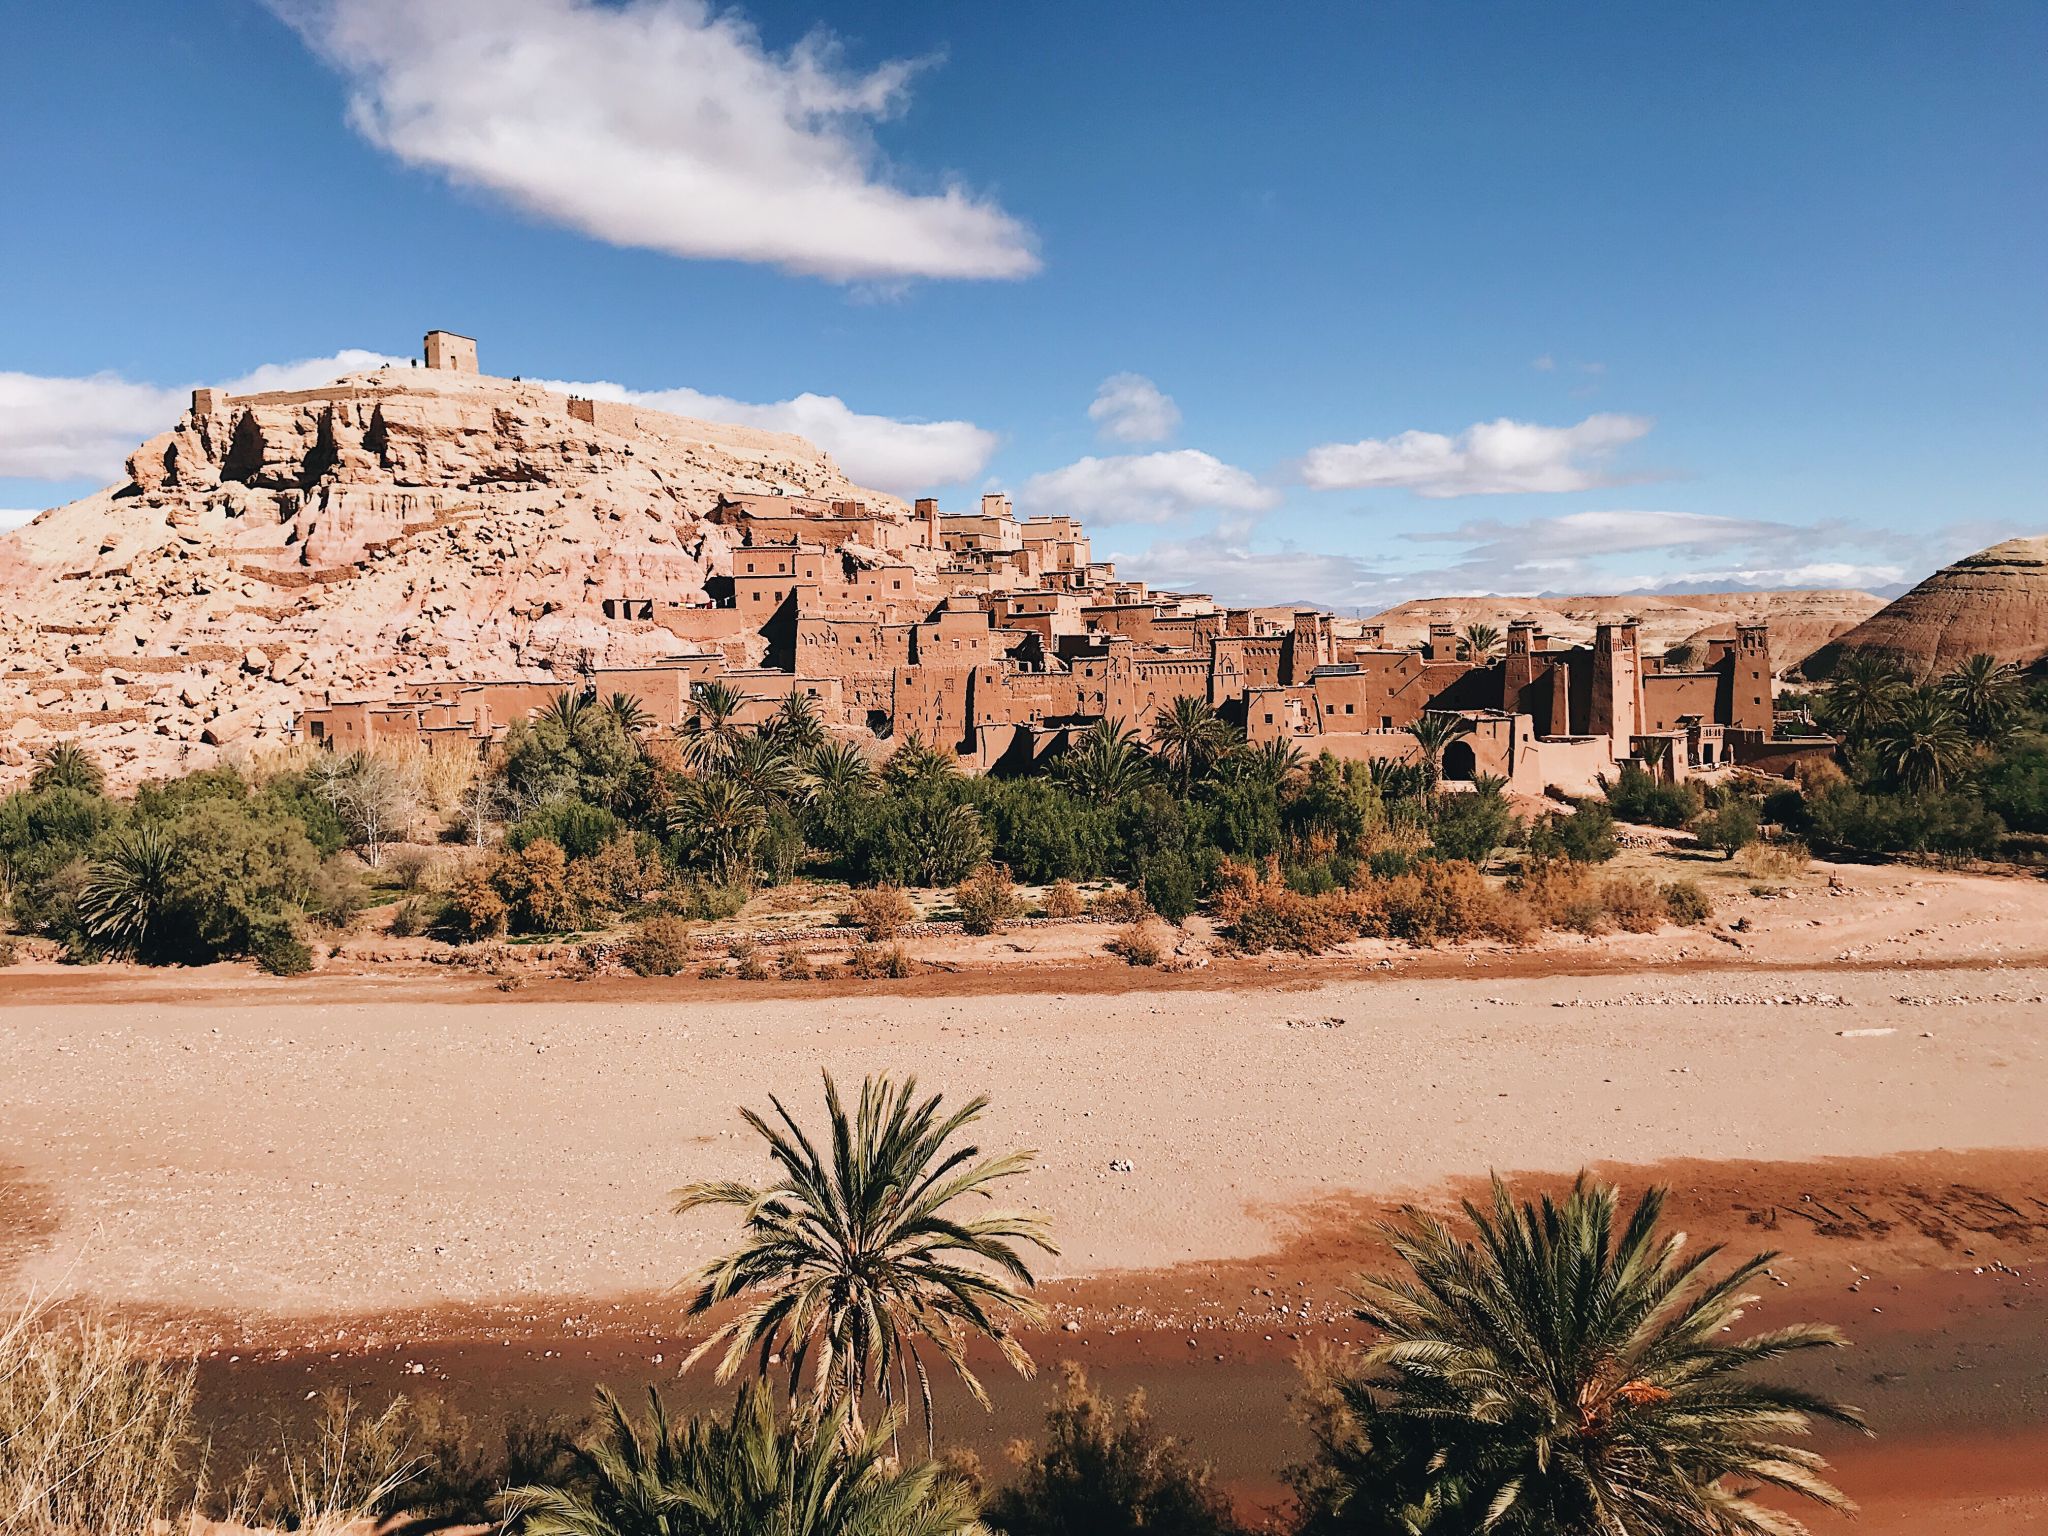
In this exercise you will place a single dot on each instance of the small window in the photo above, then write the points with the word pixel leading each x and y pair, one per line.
pixel 1269 719
pixel 1386 722
pixel 1347 709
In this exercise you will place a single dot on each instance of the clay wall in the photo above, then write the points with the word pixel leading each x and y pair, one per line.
pixel 1669 697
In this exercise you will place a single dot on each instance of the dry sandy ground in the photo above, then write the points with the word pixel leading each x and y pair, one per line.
pixel 403 1173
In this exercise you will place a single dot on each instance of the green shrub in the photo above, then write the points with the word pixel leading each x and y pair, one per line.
pixel 1585 835
pixel 660 946
pixel 1170 885
pixel 1470 826
pixel 1687 904
pixel 1105 1469
pixel 413 916
pixel 1729 828
pixel 1637 795
pixel 713 901
pixel 275 945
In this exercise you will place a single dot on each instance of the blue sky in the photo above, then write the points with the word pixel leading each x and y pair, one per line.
pixel 1368 301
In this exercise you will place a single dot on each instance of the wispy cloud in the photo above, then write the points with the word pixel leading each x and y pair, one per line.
pixel 57 428
pixel 1146 488
pixel 664 124
pixel 887 454
pixel 1224 563
pixel 1129 408
pixel 1489 458
pixel 1575 534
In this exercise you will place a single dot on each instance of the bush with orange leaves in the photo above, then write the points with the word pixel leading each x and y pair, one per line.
pixel 1448 900
pixel 1564 895
pixel 1262 914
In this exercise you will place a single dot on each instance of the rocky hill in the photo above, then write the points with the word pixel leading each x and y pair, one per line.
pixel 1994 603
pixel 1800 621
pixel 394 526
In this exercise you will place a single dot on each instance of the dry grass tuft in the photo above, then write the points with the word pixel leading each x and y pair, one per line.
pixel 95 1432
pixel 875 961
pixel 882 912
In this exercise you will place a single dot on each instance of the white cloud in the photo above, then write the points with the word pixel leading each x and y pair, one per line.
pixel 1129 408
pixel 1146 488
pixel 1488 458
pixel 1544 364
pixel 55 428
pixel 905 457
pixel 14 517
pixel 666 124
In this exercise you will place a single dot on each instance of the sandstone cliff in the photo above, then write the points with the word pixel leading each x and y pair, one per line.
pixel 1994 603
pixel 394 526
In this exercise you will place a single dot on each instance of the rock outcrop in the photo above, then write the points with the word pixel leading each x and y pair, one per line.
pixel 1993 603
pixel 398 526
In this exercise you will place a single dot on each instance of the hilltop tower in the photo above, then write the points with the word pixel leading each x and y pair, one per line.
pixel 450 353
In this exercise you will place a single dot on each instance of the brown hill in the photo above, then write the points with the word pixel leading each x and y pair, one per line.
pixel 1993 603
pixel 402 525
pixel 1800 621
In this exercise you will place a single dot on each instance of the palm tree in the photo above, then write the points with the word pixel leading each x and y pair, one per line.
pixel 1481 641
pixel 751 1473
pixel 725 821
pixel 1866 692
pixel 1489 786
pixel 1987 694
pixel 707 736
pixel 915 763
pixel 855 1257
pixel 837 771
pixel 796 726
pixel 1270 764
pixel 1566 1377
pixel 1105 764
pixel 759 762
pixel 566 709
pixel 1924 744
pixel 128 890
pixel 1396 779
pixel 628 713
pixel 1190 736
pixel 942 841
pixel 67 765
pixel 1433 733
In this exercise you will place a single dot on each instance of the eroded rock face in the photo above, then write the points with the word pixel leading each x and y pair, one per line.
pixel 393 527
pixel 1993 603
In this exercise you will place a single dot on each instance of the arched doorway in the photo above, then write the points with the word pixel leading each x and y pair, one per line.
pixel 1459 761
